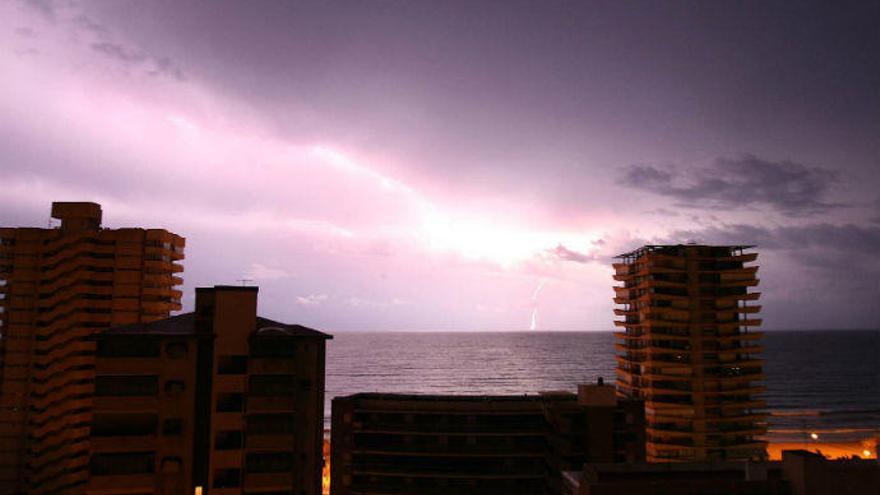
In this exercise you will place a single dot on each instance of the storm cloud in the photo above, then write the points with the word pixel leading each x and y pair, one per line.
pixel 747 181
pixel 849 241
pixel 406 165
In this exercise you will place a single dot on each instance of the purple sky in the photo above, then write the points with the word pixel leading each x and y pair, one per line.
pixel 458 165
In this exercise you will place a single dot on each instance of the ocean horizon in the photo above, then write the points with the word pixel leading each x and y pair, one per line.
pixel 817 381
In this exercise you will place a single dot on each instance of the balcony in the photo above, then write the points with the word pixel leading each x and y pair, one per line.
pixel 283 442
pixel 280 481
pixel 270 404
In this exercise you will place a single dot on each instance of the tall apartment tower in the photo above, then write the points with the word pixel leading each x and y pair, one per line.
pixel 689 352
pixel 59 286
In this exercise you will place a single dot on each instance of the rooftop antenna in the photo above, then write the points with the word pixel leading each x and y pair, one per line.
pixel 244 281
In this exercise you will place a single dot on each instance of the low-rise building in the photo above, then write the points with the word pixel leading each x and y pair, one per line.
pixel 799 473
pixel 447 444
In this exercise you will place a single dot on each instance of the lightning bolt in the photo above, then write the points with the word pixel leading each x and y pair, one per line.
pixel 534 325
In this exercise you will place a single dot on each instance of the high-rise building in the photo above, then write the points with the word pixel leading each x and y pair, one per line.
pixel 456 445
pixel 689 350
pixel 218 401
pixel 59 286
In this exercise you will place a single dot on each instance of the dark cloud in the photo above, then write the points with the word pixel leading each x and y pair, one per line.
pixel 87 23
pixel 154 66
pixel 25 32
pixel 791 188
pixel 563 253
pixel 876 217
pixel 46 8
pixel 851 244
pixel 118 52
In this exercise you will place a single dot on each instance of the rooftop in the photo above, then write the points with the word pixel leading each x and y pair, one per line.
pixel 185 324
pixel 458 398
pixel 660 248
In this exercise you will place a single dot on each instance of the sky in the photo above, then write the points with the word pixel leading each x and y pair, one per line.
pixel 391 165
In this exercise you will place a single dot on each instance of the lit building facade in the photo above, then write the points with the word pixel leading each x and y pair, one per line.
pixel 59 286
pixel 218 401
pixel 454 445
pixel 689 351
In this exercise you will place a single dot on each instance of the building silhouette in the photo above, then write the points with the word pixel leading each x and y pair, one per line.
pixel 450 444
pixel 689 352
pixel 59 286
pixel 218 401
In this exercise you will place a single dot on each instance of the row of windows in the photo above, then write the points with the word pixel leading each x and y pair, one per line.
pixel 278 462
pixel 257 424
pixel 132 348
pixel 148 386
pixel 137 424
pixel 150 348
pixel 127 463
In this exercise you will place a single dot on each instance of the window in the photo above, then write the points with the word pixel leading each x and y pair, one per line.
pixel 269 347
pixel 127 386
pixel 176 350
pixel 127 347
pixel 232 365
pixel 269 463
pixel 227 478
pixel 270 424
pixel 174 386
pixel 124 425
pixel 122 463
pixel 172 427
pixel 230 402
pixel 228 440
pixel 272 385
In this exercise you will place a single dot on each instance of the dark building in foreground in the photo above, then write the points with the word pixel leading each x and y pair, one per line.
pixel 446 444
pixel 690 352
pixel 59 286
pixel 799 473
pixel 218 401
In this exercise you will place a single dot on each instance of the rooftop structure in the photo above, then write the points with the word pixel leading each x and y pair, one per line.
pixel 689 350
pixel 59 286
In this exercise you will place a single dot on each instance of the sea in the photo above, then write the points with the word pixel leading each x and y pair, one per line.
pixel 825 382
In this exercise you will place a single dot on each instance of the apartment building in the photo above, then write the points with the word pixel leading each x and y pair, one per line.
pixel 59 286
pixel 689 350
pixel 447 444
pixel 218 401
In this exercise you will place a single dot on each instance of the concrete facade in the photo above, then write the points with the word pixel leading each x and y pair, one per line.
pixel 59 286
pixel 689 351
